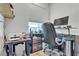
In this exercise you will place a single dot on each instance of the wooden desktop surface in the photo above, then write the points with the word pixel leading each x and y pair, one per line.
pixel 15 41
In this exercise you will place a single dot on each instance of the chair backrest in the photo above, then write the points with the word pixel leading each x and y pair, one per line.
pixel 49 33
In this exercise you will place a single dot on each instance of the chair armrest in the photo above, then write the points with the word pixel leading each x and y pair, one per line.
pixel 59 41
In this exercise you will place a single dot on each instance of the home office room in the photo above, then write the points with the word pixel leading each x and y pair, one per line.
pixel 39 29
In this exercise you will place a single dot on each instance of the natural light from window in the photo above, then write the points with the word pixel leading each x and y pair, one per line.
pixel 34 26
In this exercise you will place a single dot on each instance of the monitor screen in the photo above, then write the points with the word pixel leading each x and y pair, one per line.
pixel 61 21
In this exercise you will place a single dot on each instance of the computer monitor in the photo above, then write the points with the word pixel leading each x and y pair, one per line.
pixel 61 21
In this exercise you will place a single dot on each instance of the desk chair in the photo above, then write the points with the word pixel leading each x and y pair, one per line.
pixel 49 36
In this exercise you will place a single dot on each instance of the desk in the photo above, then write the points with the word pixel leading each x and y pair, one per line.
pixel 12 42
pixel 15 41
pixel 37 42
pixel 69 48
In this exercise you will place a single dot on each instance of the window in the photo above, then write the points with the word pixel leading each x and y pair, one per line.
pixel 35 27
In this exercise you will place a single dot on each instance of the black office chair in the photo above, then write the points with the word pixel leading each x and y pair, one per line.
pixel 49 35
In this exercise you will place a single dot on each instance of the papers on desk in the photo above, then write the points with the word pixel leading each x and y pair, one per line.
pixel 14 36
pixel 15 39
pixel 17 36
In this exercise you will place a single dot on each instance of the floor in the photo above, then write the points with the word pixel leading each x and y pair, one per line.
pixel 38 53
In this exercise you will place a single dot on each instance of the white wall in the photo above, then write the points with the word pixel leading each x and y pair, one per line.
pixel 38 12
pixel 25 13
pixel 59 10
